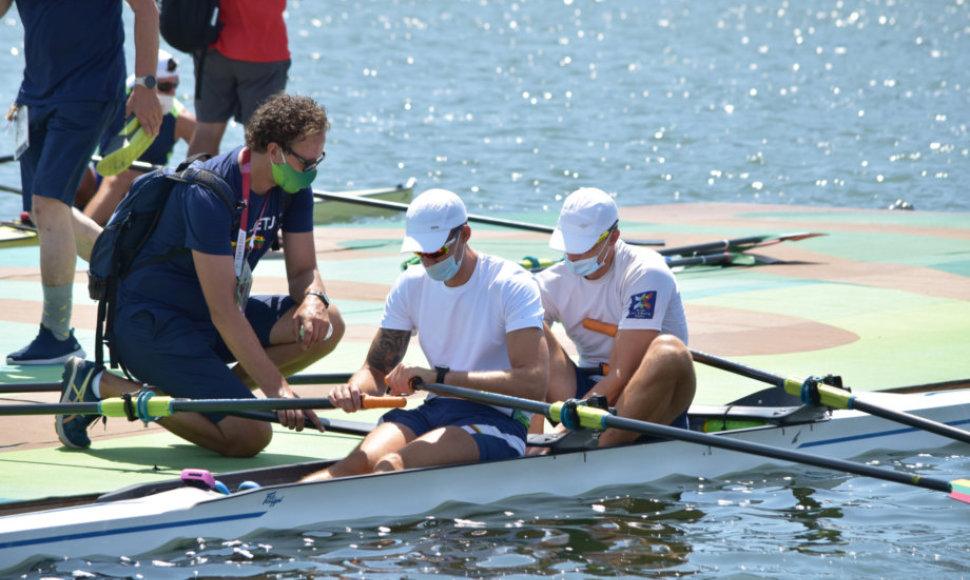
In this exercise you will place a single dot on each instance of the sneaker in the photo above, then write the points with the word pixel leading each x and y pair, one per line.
pixel 46 350
pixel 72 430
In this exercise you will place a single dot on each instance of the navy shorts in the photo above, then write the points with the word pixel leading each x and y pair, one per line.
pixel 187 358
pixel 585 383
pixel 236 88
pixel 497 435
pixel 63 137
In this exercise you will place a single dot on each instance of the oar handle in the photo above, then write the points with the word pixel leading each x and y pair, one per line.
pixel 599 326
pixel 372 402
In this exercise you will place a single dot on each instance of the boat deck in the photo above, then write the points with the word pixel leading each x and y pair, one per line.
pixel 882 300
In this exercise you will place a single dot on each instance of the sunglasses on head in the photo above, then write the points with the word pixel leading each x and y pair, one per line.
pixel 166 86
pixel 445 248
pixel 308 166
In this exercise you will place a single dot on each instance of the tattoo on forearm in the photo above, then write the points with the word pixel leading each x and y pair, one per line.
pixel 388 349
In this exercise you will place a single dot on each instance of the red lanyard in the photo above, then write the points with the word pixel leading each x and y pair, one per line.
pixel 242 247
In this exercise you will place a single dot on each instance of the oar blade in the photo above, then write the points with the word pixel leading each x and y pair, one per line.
pixel 960 490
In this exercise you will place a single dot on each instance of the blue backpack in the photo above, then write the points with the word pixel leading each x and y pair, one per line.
pixel 115 253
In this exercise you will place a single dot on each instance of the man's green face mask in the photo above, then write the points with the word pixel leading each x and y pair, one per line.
pixel 292 180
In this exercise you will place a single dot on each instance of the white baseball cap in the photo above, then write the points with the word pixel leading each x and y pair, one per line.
pixel 586 215
pixel 430 217
pixel 167 65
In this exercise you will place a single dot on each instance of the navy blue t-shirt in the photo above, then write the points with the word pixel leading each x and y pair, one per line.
pixel 73 51
pixel 198 219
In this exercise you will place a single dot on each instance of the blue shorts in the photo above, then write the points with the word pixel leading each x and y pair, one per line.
pixel 585 383
pixel 497 435
pixel 186 358
pixel 63 138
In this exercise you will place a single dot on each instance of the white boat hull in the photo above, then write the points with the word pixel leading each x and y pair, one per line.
pixel 135 526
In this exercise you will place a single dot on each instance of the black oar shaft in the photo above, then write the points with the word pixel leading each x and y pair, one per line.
pixel 307 379
pixel 850 401
pixel 738 368
pixel 319 379
pixel 29 387
pixel 331 425
pixel 779 453
pixel 708 247
pixel 700 438
pixel 912 420
pixel 393 205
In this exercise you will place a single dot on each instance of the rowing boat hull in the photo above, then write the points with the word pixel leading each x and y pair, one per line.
pixel 331 211
pixel 129 527
pixel 13 235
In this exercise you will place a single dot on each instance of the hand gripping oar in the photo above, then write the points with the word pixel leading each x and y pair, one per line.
pixel 595 418
pixel 149 407
pixel 393 205
pixel 812 391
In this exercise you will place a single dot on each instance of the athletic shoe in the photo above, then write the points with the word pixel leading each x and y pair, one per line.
pixel 125 149
pixel 46 350
pixel 76 388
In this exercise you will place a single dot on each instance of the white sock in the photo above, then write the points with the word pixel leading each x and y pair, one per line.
pixel 96 384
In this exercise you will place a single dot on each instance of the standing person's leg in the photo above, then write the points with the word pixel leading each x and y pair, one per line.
pixel 256 83
pixel 63 138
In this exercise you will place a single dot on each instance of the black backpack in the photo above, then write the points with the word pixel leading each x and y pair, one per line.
pixel 189 25
pixel 115 253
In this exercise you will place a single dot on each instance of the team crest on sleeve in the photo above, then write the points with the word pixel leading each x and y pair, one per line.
pixel 642 305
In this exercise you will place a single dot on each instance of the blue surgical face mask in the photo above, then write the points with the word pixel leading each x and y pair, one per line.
pixel 586 266
pixel 446 269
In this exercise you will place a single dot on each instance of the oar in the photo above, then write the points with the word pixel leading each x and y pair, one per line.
pixel 719 259
pixel 307 379
pixel 599 419
pixel 332 425
pixel 828 395
pixel 393 205
pixel 737 244
pixel 160 406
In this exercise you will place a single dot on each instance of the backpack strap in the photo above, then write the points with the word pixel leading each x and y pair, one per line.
pixel 211 181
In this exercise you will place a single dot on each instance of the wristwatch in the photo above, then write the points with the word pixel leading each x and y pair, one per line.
pixel 323 298
pixel 148 82
pixel 442 371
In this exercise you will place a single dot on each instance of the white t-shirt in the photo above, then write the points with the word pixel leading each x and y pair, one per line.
pixel 465 327
pixel 638 292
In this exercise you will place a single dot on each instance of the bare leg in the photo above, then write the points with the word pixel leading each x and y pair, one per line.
pixel 562 371
pixel 206 138
pixel 385 438
pixel 58 252
pixel 290 357
pixel 442 446
pixel 660 390
pixel 86 231
pixel 393 447
pixel 109 195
